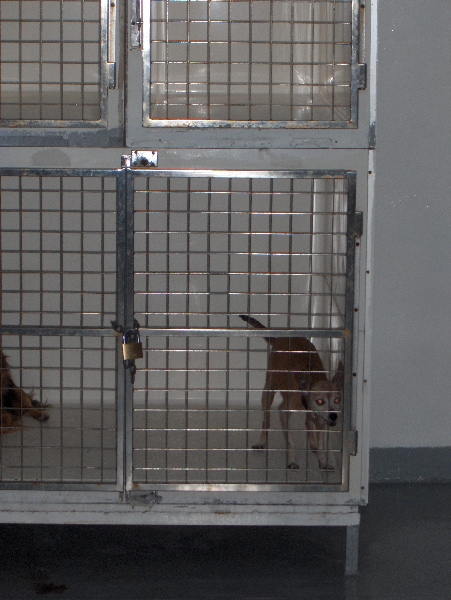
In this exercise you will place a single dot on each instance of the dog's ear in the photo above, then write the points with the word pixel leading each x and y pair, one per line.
pixel 338 378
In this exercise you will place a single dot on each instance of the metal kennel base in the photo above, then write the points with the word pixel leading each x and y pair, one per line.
pixel 183 252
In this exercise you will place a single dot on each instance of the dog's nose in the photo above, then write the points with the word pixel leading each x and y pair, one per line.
pixel 333 416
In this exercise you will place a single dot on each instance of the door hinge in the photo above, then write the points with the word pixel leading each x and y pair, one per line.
pixel 358 224
pixel 361 75
pixel 136 24
pixel 352 442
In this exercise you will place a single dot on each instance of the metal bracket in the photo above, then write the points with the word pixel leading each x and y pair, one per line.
pixel 361 76
pixel 143 159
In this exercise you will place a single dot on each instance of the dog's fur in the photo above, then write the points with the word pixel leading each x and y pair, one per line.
pixel 295 369
pixel 15 402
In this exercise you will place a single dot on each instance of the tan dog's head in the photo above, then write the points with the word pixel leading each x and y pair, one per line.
pixel 321 396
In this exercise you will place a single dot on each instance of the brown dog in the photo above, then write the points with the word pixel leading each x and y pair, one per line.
pixel 14 402
pixel 295 369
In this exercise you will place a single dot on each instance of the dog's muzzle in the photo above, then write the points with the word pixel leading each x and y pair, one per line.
pixel 332 421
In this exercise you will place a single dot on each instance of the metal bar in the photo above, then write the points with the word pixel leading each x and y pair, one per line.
pixel 242 487
pixel 243 173
pixel 121 244
pixel 57 172
pixel 248 333
pixel 43 331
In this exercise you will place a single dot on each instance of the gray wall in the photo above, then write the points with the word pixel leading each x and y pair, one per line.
pixel 411 343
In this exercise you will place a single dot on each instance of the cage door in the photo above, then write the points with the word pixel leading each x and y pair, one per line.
pixel 59 238
pixel 59 72
pixel 247 65
pixel 209 247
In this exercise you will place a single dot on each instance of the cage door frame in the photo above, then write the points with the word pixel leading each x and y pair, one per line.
pixel 346 332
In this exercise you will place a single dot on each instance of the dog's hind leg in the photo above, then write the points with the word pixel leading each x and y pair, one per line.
pixel 267 400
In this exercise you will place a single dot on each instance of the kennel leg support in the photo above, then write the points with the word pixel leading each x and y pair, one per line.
pixel 352 549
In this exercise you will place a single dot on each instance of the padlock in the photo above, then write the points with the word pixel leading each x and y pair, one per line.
pixel 132 348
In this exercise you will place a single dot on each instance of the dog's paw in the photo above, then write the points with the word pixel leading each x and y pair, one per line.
pixel 258 447
pixel 293 465
pixel 326 467
pixel 44 417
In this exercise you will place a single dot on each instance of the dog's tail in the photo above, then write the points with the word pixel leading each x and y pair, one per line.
pixel 255 324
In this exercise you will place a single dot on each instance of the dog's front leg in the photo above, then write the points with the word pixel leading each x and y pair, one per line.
pixel 316 437
pixel 30 406
pixel 284 413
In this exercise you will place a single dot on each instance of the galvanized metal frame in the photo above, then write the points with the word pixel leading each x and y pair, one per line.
pixel 357 82
pixel 345 334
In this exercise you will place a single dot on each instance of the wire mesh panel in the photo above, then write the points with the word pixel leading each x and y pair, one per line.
pixel 207 250
pixel 51 61
pixel 251 62
pixel 59 383
pixel 58 243
pixel 198 414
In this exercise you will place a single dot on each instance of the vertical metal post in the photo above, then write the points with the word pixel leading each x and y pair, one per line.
pixel 128 317
pixel 121 301
pixel 352 549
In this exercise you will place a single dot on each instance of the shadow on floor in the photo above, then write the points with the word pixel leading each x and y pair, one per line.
pixel 405 538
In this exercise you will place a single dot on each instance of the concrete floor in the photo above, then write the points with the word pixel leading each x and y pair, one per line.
pixel 405 541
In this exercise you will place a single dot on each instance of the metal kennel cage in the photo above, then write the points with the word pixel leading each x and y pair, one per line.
pixel 263 117
pixel 184 252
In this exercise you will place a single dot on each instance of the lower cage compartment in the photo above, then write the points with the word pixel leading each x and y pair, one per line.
pixel 75 379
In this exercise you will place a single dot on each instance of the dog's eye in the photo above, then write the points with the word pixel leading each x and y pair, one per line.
pixel 320 401
pixel 337 400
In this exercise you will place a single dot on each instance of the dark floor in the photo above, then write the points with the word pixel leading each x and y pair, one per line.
pixel 405 553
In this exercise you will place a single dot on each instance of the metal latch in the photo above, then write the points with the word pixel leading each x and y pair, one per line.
pixel 136 24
